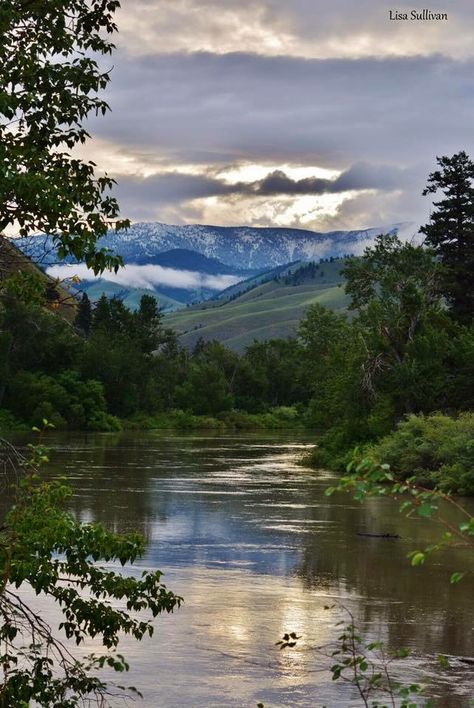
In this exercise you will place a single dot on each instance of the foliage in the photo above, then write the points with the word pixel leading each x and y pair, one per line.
pixel 45 547
pixel 365 478
pixel 9 422
pixel 25 287
pixel 283 418
pixel 394 289
pixel 49 81
pixel 369 667
pixel 451 231
pixel 436 450
pixel 366 665
pixel 333 353
pixel 64 399
pixel 83 320
pixel 400 354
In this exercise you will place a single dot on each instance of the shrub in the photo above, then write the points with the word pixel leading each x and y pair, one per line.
pixel 9 422
pixel 65 400
pixel 438 450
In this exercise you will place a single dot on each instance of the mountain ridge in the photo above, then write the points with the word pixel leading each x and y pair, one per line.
pixel 241 247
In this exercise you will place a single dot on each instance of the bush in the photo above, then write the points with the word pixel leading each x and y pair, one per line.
pixel 65 400
pixel 438 450
pixel 104 422
pixel 9 422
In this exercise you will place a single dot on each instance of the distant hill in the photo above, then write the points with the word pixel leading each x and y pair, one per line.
pixel 182 265
pixel 129 296
pixel 185 259
pixel 270 308
pixel 241 246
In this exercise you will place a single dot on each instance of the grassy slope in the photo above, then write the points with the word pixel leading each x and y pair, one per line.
pixel 269 310
pixel 130 296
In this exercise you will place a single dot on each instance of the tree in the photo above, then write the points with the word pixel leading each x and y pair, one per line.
pixel 394 288
pixel 147 322
pixel 101 318
pixel 451 231
pixel 83 319
pixel 334 354
pixel 49 80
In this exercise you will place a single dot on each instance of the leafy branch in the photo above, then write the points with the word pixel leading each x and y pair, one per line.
pixel 43 547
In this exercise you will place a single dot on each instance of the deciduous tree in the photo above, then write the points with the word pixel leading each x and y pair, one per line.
pixel 49 84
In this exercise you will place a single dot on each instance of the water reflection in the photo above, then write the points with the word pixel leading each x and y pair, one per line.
pixel 249 539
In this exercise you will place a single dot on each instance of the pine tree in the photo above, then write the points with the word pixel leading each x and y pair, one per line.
pixel 83 319
pixel 102 317
pixel 148 321
pixel 451 231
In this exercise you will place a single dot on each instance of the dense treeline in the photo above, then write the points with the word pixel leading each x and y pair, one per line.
pixel 117 364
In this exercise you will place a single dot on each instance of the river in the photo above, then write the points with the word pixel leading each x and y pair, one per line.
pixel 248 538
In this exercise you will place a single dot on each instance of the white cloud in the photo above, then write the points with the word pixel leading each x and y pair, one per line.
pixel 147 277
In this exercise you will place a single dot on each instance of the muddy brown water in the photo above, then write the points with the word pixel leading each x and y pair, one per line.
pixel 248 538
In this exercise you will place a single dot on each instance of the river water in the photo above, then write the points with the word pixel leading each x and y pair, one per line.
pixel 248 538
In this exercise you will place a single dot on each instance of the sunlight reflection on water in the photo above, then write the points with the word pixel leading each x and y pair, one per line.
pixel 256 549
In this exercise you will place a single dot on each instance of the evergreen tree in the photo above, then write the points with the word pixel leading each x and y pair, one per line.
pixel 83 319
pixel 451 231
pixel 148 323
pixel 102 317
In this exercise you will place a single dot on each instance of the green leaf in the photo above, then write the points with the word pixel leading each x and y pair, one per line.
pixel 456 577
pixel 417 558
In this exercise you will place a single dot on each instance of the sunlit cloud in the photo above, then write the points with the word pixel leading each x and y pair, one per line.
pixel 302 211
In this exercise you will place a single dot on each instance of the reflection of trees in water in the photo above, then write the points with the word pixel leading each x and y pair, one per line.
pixel 116 477
pixel 133 481
pixel 405 606
pixel 109 476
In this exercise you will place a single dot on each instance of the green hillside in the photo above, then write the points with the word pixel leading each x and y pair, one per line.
pixel 129 296
pixel 267 310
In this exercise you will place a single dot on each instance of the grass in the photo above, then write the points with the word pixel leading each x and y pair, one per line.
pixel 269 310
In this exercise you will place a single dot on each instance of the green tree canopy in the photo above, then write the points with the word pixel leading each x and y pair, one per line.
pixel 49 84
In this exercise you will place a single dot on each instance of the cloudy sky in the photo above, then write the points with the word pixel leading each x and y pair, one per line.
pixel 319 114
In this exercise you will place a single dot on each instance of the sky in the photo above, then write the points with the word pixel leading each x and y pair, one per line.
pixel 319 114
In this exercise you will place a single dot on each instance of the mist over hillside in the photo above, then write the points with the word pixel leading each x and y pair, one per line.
pixel 186 264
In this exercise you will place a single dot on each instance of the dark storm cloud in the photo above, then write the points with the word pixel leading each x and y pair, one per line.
pixel 278 182
pixel 360 176
pixel 175 187
pixel 208 108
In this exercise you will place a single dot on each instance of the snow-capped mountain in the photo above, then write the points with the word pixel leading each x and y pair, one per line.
pixel 241 247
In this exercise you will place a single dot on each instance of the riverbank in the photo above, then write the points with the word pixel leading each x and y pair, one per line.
pixel 280 418
pixel 436 451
